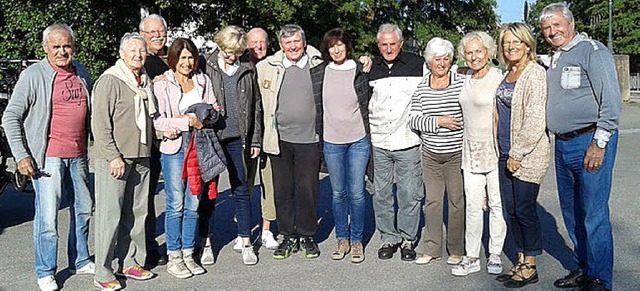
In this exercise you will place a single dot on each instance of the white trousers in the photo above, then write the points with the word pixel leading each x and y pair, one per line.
pixel 476 186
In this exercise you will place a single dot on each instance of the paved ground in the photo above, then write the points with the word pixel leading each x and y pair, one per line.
pixel 16 246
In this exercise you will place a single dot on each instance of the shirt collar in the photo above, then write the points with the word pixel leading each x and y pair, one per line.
pixel 579 37
pixel 232 69
pixel 300 64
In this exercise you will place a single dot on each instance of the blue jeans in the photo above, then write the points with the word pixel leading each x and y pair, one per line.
pixel 181 216
pixel 584 199
pixel 347 164
pixel 47 202
pixel 236 156
pixel 519 209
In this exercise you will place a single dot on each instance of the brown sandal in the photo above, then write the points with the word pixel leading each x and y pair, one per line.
pixel 518 280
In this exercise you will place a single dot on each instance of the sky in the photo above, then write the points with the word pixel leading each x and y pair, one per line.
pixel 511 10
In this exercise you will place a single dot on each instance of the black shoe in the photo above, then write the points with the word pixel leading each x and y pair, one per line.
pixel 594 284
pixel 407 251
pixel 519 281
pixel 288 246
pixel 386 251
pixel 575 279
pixel 155 258
pixel 310 247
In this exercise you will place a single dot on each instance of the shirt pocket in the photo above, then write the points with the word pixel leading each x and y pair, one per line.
pixel 570 77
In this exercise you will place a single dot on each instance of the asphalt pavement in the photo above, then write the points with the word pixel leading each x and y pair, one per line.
pixel 297 272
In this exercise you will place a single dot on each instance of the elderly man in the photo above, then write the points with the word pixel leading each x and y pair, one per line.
pixel 154 30
pixel 396 151
pixel 257 44
pixel 47 126
pixel 583 109
pixel 291 138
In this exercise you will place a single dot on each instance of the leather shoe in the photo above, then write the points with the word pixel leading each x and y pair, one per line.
pixel 573 280
pixel 407 252
pixel 595 284
pixel 386 251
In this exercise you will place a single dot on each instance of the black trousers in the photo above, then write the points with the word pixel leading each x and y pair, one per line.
pixel 295 183
pixel 150 221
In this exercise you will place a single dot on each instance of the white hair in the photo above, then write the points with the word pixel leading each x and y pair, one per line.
pixel 150 17
pixel 437 47
pixel 484 38
pixel 551 10
pixel 389 27
pixel 57 27
pixel 129 36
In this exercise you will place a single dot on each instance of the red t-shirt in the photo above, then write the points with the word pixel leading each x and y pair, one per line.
pixel 67 130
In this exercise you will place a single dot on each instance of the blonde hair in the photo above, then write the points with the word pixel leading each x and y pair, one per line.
pixel 231 38
pixel 522 32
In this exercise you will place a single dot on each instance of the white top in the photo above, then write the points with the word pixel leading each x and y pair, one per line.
pixel 189 98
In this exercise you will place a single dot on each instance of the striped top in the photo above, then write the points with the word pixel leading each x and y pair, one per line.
pixel 427 104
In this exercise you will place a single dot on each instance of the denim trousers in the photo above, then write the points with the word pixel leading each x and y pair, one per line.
pixel 48 195
pixel 520 210
pixel 239 181
pixel 347 164
pixel 584 199
pixel 295 181
pixel 404 166
pixel 181 214
pixel 121 210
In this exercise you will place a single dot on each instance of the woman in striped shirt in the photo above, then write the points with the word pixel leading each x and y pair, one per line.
pixel 436 114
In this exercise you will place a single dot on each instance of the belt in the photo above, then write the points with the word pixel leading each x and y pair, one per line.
pixel 576 133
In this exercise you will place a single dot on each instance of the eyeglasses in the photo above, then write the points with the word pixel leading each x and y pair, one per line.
pixel 515 43
pixel 161 32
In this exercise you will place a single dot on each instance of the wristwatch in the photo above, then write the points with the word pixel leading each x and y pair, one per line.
pixel 600 143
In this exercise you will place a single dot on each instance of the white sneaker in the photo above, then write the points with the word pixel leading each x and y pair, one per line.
pixel 47 283
pixel 237 246
pixel 494 265
pixel 466 267
pixel 268 241
pixel 177 268
pixel 248 256
pixel 89 268
pixel 207 256
pixel 194 268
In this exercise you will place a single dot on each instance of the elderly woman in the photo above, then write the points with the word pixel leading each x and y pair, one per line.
pixel 240 127
pixel 479 154
pixel 342 88
pixel 523 146
pixel 121 124
pixel 436 114
pixel 183 86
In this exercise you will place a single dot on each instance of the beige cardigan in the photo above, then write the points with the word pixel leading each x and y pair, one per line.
pixel 530 143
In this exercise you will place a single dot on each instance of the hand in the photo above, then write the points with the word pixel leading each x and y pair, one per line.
pixel 171 133
pixel 195 122
pixel 450 122
pixel 116 168
pixel 512 165
pixel 159 78
pixel 366 63
pixel 593 158
pixel 255 152
pixel 27 167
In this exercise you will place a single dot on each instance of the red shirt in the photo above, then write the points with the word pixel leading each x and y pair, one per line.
pixel 67 130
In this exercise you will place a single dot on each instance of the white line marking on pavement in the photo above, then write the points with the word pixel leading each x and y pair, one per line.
pixel 630 131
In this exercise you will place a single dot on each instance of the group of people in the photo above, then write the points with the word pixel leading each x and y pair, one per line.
pixel 476 135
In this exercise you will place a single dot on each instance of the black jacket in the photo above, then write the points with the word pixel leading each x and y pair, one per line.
pixel 211 158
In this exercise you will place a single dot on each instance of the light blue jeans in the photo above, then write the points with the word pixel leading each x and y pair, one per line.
pixel 47 202
pixel 181 215
pixel 347 164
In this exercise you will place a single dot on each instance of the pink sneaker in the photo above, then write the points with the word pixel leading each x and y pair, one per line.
pixel 137 273
pixel 108 286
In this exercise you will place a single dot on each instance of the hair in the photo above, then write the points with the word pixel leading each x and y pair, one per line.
pixel 484 38
pixel 523 33
pixel 259 29
pixel 179 44
pixel 58 27
pixel 389 27
pixel 231 38
pixel 129 36
pixel 290 30
pixel 437 47
pixel 150 17
pixel 330 39
pixel 551 10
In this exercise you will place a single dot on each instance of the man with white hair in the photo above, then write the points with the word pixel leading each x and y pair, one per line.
pixel 583 110
pixel 47 126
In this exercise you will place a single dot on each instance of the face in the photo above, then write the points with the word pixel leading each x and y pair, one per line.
pixel 185 63
pixel 257 44
pixel 229 56
pixel 389 46
pixel 475 54
pixel 155 34
pixel 59 48
pixel 513 48
pixel 440 65
pixel 338 52
pixel 557 30
pixel 134 54
pixel 293 47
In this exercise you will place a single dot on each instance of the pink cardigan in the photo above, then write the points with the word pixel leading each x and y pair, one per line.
pixel 168 94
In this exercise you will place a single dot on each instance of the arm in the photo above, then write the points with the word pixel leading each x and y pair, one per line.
pixel 256 139
pixel 12 120
pixel 105 97
pixel 164 119
pixel 418 121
